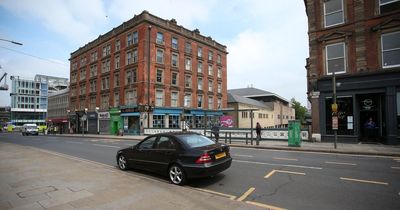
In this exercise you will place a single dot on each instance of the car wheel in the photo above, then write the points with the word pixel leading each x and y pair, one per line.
pixel 122 162
pixel 177 175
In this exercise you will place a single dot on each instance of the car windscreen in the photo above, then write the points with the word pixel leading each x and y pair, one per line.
pixel 31 127
pixel 194 140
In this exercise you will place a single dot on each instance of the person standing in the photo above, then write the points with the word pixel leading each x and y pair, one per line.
pixel 258 131
pixel 215 131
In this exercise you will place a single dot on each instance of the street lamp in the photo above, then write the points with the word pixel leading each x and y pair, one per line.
pixel 98 126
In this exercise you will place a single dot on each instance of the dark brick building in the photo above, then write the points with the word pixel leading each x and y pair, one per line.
pixel 147 61
pixel 359 40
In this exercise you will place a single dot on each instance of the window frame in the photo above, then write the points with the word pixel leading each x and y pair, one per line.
pixel 393 49
pixel 344 58
pixel 325 14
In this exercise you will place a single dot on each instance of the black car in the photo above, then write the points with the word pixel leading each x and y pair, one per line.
pixel 180 155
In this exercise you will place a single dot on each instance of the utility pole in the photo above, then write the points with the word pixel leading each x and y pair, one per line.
pixel 335 121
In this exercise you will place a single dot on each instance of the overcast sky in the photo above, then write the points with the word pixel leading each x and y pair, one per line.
pixel 266 39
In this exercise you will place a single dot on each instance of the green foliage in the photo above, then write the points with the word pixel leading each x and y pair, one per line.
pixel 299 110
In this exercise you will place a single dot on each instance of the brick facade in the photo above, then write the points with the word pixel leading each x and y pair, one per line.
pixel 144 24
pixel 364 23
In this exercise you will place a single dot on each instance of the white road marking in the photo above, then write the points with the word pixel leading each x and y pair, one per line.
pixel 291 159
pixel 363 181
pixel 74 142
pixel 394 167
pixel 280 171
pixel 242 155
pixel 275 164
pixel 339 163
pixel 102 145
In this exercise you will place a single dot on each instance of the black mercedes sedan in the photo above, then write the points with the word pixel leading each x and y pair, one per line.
pixel 180 155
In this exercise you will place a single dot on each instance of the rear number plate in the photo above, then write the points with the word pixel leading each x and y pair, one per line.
pixel 220 155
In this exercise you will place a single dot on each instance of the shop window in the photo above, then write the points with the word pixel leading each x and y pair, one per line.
pixel 199 121
pixel 345 115
pixel 173 121
pixel 158 121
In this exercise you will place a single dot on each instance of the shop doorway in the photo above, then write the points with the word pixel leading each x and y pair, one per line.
pixel 371 117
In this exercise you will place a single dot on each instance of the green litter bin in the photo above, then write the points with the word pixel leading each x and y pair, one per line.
pixel 294 139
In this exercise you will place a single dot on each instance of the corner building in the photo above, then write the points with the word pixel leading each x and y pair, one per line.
pixel 147 62
pixel 358 41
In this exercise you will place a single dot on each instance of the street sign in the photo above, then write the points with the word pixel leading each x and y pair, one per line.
pixel 335 123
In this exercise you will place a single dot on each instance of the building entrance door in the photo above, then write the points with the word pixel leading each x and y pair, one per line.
pixel 371 117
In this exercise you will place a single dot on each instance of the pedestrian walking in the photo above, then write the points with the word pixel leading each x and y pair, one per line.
pixel 215 131
pixel 258 131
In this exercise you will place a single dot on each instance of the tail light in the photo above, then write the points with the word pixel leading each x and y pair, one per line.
pixel 204 158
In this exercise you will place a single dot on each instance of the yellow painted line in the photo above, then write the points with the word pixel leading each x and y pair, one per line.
pixel 363 181
pixel 264 205
pixel 339 163
pixel 280 171
pixel 232 197
pixel 291 159
pixel 394 167
pixel 247 193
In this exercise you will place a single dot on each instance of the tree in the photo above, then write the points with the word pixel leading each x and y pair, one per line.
pixel 299 110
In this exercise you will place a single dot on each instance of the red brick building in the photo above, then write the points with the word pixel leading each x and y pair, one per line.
pixel 147 61
pixel 359 40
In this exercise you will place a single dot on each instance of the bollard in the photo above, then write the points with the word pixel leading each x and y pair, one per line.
pixel 247 138
pixel 230 137
pixel 226 138
pixel 251 140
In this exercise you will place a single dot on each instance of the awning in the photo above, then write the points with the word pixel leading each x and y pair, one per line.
pixel 158 111
pixel 130 114
pixel 202 112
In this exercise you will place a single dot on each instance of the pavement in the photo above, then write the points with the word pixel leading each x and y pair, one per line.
pixel 32 178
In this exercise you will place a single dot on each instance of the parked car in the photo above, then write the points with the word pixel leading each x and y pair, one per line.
pixel 179 155
pixel 29 129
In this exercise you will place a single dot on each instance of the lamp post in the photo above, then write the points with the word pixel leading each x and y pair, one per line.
pixel 98 121
pixel 148 73
pixel 69 121
pixel 335 122
pixel 87 120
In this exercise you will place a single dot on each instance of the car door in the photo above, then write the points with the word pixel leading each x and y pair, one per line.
pixel 141 154
pixel 164 152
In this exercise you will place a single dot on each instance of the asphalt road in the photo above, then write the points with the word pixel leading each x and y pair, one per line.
pixel 283 179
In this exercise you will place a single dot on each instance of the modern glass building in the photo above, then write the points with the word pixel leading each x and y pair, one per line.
pixel 28 101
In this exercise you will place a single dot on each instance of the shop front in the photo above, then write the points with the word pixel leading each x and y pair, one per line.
pixel 130 117
pixel 92 122
pixel 58 125
pixel 104 122
pixel 113 121
pixel 368 108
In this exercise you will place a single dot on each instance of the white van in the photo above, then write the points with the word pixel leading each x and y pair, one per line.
pixel 30 129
